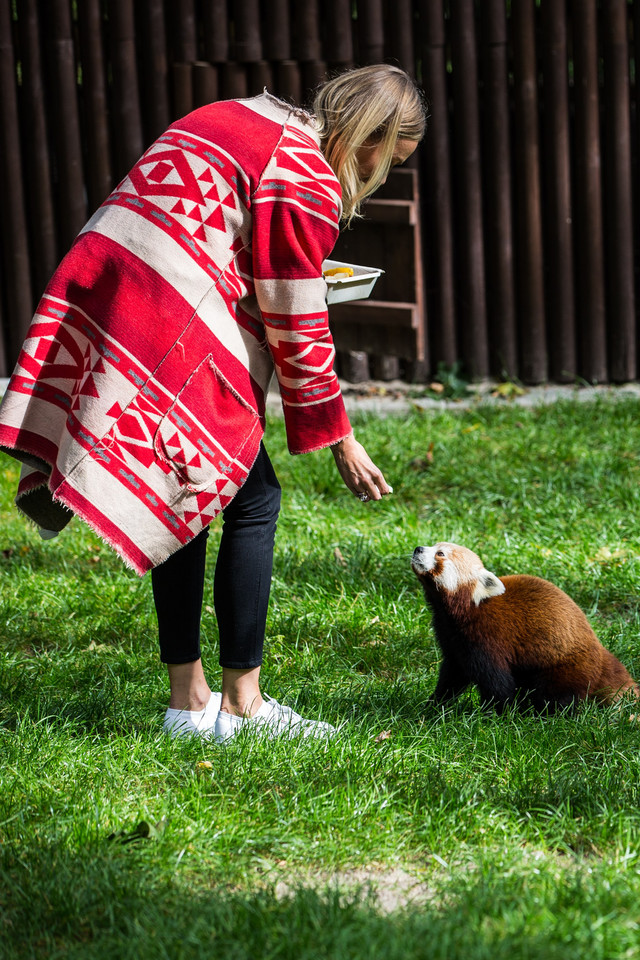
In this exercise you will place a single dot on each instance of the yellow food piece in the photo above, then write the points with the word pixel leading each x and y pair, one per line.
pixel 338 271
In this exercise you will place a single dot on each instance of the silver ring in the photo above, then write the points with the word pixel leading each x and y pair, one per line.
pixel 363 497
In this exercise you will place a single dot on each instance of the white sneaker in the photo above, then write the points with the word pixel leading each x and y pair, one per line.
pixel 274 720
pixel 189 723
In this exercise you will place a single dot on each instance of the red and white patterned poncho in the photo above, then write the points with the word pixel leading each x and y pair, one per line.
pixel 138 400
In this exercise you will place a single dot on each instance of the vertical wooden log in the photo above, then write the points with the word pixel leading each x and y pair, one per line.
pixel 313 73
pixel 306 31
pixel 64 112
pixel 127 121
pixel 182 77
pixel 288 81
pixel 370 31
pixel 184 30
pixel 205 83
pixel 503 347
pixel 472 305
pixel 399 34
pixel 636 141
pixel 13 223
pixel 276 30
pixel 436 167
pixel 216 30
pixel 533 347
pixel 37 160
pixel 154 76
pixel 234 81
pixel 94 102
pixel 353 366
pixel 589 235
pixel 619 196
pixel 248 42
pixel 4 361
pixel 340 47
pixel 260 76
pixel 385 368
pixel 560 300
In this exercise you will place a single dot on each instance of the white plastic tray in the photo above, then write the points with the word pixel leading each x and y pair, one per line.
pixel 357 287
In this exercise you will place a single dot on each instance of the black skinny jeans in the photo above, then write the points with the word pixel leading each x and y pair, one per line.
pixel 242 580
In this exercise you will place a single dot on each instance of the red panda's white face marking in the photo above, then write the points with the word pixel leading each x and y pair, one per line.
pixel 451 566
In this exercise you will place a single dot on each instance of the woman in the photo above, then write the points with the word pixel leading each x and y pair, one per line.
pixel 138 401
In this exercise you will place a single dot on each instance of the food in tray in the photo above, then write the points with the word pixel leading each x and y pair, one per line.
pixel 338 272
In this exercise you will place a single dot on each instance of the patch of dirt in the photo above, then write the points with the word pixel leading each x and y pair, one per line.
pixel 388 888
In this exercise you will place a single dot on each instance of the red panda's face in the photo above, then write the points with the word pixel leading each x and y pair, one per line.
pixel 449 567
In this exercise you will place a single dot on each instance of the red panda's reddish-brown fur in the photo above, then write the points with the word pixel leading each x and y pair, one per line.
pixel 515 637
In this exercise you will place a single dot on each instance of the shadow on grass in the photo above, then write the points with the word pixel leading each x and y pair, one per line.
pixel 114 901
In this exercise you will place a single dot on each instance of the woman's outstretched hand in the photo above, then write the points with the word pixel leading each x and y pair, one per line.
pixel 358 471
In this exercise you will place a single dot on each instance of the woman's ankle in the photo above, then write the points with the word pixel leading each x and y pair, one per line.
pixel 189 689
pixel 241 707
pixel 241 691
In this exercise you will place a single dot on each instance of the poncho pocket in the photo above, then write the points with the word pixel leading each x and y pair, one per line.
pixel 209 435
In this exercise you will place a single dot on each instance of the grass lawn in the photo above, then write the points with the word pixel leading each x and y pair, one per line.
pixel 418 832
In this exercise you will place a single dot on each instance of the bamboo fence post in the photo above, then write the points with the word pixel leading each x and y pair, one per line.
pixel 529 252
pixel 63 107
pixel 436 156
pixel 619 194
pixel 370 31
pixel 560 300
pixel 503 347
pixel 466 116
pixel 216 30
pixel 14 246
pixel 37 164
pixel 154 77
pixel 590 237
pixel 126 99
pixel 94 101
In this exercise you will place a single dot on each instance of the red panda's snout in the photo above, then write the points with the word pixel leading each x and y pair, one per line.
pixel 423 560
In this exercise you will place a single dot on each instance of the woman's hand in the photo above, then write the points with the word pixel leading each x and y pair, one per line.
pixel 358 471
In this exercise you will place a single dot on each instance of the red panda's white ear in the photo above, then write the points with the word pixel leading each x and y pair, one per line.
pixel 487 585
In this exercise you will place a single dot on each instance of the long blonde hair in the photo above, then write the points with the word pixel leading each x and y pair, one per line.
pixel 378 104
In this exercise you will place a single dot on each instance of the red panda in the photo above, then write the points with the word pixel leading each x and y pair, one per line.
pixel 516 638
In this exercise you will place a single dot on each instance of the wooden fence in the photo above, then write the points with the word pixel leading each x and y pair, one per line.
pixel 529 219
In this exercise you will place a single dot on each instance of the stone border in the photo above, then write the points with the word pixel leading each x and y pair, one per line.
pixel 384 398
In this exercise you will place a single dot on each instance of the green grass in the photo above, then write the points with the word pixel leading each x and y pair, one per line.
pixel 521 833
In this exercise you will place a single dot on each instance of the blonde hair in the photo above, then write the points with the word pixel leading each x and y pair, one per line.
pixel 378 104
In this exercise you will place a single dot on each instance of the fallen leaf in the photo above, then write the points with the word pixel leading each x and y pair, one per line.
pixel 508 390
pixel 143 831
pixel 383 735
